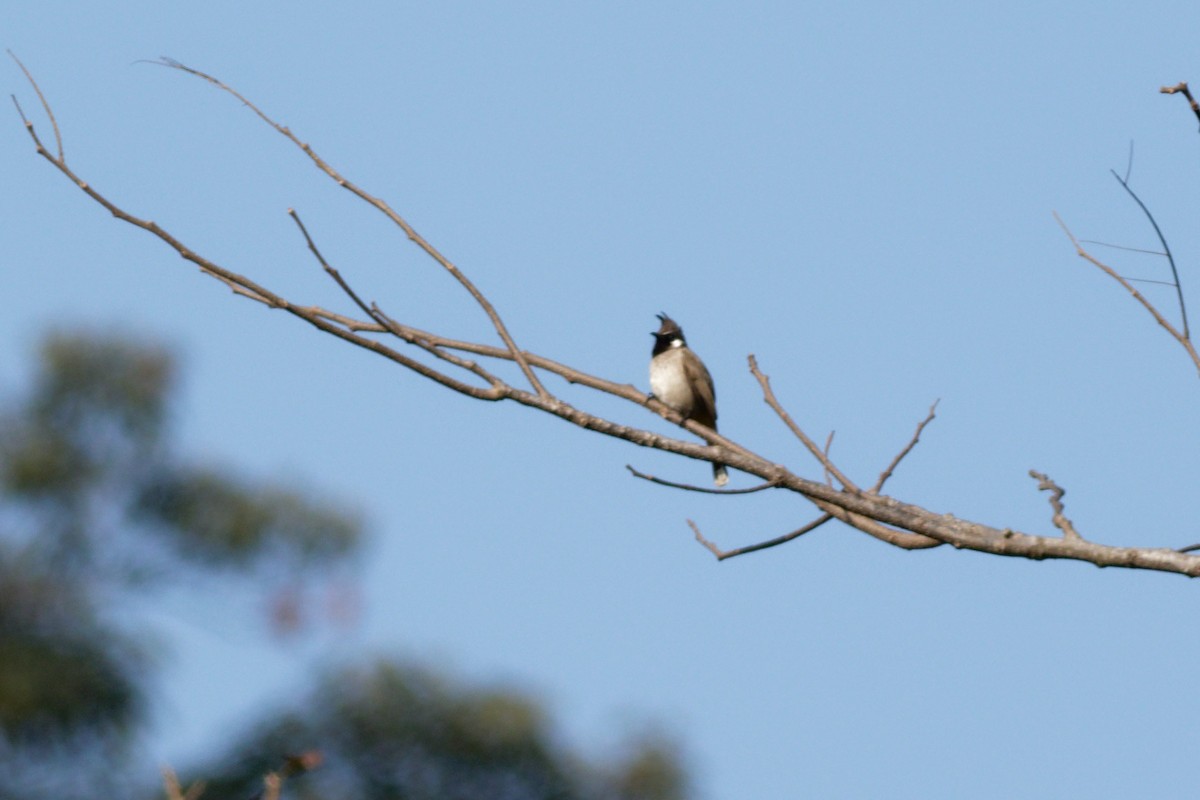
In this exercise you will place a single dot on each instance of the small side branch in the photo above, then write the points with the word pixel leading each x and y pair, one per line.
pixel 687 487
pixel 741 551
pixel 1176 334
pixel 916 437
pixel 1182 88
pixel 45 105
pixel 1056 494
pixel 773 402
pixel 387 323
pixel 1166 248
pixel 380 205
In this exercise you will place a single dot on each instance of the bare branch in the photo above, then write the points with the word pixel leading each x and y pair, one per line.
pixel 498 385
pixel 916 437
pixel 770 399
pixel 1130 250
pixel 385 209
pixel 890 520
pixel 1056 494
pixel 386 322
pixel 1166 248
pixel 687 487
pixel 1182 88
pixel 45 105
pixel 333 273
pixel 741 551
pixel 825 450
pixel 1183 340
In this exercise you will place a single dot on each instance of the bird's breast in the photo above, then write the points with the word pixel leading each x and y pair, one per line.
pixel 669 382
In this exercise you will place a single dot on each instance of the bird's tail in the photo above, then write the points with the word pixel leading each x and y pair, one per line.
pixel 720 476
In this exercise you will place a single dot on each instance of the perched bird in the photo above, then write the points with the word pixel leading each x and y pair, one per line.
pixel 679 379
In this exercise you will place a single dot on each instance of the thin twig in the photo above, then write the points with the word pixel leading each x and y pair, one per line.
pixel 687 487
pixel 1182 88
pixel 385 209
pixel 741 551
pixel 1128 249
pixel 1184 341
pixel 498 385
pixel 916 437
pixel 1166 249
pixel 45 105
pixel 828 445
pixel 333 273
pixel 384 320
pixel 770 399
pixel 1056 494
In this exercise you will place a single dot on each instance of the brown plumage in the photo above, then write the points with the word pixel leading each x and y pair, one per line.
pixel 679 379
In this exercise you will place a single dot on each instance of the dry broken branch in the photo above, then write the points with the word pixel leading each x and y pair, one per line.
pixel 1182 88
pixel 1056 495
pixel 902 524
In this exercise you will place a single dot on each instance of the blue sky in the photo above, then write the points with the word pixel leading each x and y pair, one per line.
pixel 859 194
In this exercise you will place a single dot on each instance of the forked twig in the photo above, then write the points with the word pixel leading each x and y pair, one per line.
pixel 1166 248
pixel 386 322
pixel 1176 334
pixel 45 105
pixel 904 539
pixel 773 402
pixel 385 209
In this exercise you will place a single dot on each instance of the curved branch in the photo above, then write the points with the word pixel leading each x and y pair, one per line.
pixel 1166 248
pixel 754 548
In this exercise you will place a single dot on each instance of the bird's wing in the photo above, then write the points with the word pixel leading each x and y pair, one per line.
pixel 705 409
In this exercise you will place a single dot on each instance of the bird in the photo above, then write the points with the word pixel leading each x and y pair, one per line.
pixel 679 379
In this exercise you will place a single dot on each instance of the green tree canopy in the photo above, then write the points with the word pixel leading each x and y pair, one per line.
pixel 389 731
pixel 97 507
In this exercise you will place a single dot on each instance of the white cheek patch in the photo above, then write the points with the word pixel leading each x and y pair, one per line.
pixel 677 343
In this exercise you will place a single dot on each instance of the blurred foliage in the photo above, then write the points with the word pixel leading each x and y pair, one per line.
pixel 96 508
pixel 392 732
